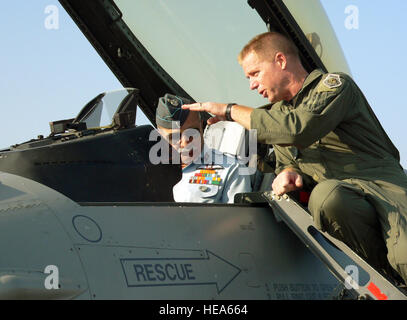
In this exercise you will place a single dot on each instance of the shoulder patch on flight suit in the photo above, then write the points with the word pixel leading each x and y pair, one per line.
pixel 330 82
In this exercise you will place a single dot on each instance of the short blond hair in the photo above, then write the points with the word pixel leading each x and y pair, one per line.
pixel 267 45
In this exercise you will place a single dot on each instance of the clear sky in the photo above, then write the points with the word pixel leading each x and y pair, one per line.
pixel 49 74
pixel 376 54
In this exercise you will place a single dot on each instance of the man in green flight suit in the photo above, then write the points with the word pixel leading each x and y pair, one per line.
pixel 325 134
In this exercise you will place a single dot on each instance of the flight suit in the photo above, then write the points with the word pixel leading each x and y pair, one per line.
pixel 329 134
pixel 215 179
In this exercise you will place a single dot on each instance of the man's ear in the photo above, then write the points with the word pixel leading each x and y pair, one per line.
pixel 281 60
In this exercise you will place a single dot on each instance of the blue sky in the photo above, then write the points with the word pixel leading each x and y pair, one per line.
pixel 376 54
pixel 49 75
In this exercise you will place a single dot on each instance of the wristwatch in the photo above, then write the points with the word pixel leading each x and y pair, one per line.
pixel 228 111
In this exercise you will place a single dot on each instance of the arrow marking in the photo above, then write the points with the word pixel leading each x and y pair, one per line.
pixel 159 272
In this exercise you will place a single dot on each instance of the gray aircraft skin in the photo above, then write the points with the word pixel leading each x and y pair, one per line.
pixel 76 224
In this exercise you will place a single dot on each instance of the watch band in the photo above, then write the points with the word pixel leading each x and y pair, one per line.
pixel 228 111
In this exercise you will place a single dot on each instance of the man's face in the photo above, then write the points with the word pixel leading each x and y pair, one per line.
pixel 188 140
pixel 265 75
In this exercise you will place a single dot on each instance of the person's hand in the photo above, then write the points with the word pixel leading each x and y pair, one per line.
pixel 287 181
pixel 216 109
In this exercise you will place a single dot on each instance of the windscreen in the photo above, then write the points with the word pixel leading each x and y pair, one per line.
pixel 100 111
pixel 197 42
pixel 311 17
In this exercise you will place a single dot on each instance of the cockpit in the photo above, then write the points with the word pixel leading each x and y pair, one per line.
pixel 102 155
pixel 99 156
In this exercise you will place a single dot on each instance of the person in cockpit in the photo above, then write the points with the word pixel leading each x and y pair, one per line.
pixel 208 176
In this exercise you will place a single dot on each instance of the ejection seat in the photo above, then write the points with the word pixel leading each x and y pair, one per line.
pixel 233 139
